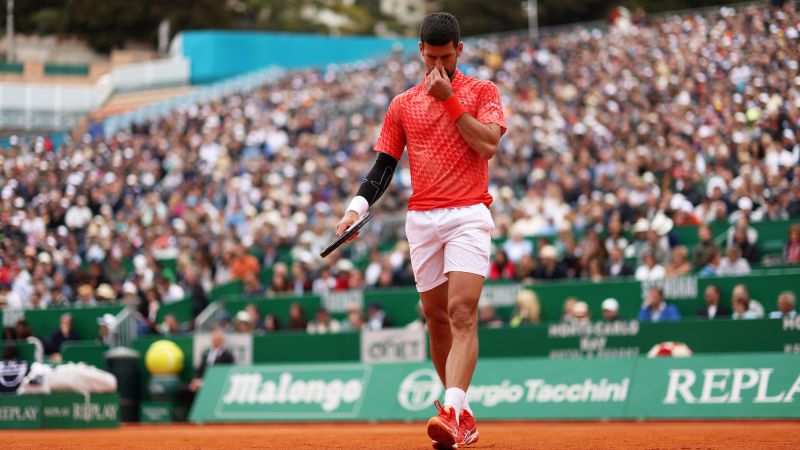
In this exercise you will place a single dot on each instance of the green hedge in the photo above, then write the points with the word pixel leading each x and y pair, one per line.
pixel 66 69
pixel 6 67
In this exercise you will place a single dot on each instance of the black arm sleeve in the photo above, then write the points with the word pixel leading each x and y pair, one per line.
pixel 378 179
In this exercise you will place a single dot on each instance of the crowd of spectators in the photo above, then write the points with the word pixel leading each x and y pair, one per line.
pixel 654 309
pixel 614 138
pixel 250 320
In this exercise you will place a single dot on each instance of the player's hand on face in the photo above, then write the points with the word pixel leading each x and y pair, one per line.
pixel 438 83
pixel 349 218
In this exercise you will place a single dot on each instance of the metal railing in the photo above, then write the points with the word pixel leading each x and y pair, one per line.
pixel 208 318
pixel 123 330
pixel 11 316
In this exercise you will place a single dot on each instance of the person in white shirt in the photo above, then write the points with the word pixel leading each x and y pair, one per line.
pixel 745 307
pixel 787 301
pixel 324 323
pixel 733 263
pixel 517 247
pixel 742 222
pixel 78 216
pixel 9 299
pixel 650 270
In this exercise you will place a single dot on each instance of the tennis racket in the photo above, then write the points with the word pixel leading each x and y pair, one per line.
pixel 341 239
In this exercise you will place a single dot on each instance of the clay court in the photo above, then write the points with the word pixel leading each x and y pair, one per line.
pixel 518 435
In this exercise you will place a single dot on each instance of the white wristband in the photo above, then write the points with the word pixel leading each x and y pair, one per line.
pixel 359 204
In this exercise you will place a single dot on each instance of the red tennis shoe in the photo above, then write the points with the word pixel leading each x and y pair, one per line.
pixel 443 427
pixel 467 429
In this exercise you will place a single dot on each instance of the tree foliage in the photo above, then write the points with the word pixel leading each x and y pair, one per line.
pixel 481 17
pixel 109 24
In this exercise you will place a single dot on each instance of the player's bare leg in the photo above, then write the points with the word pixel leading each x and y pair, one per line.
pixel 434 307
pixel 463 295
pixel 446 431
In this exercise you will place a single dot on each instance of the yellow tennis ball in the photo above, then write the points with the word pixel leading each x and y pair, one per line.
pixel 164 358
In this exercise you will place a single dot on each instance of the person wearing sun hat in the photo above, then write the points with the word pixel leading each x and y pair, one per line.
pixel 105 293
pixel 610 308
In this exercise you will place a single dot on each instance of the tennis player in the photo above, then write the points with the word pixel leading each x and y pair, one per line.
pixel 451 125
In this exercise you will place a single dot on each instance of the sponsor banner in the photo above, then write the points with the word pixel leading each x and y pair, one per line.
pixel 59 410
pixel 674 288
pixel 500 295
pixel 20 411
pixel 240 344
pixel 722 386
pixel 283 393
pixel 156 412
pixel 521 388
pixel 739 386
pixel 340 301
pixel 592 339
pixel 77 411
pixel 393 345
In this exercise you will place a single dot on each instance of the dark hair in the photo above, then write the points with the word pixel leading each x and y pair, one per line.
pixel 10 351
pixel 440 28
pixel 275 320
pixel 9 334
pixel 716 288
pixel 23 329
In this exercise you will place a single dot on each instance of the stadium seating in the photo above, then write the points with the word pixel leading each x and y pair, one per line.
pixel 267 161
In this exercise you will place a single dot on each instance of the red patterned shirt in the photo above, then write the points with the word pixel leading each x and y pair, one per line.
pixel 445 171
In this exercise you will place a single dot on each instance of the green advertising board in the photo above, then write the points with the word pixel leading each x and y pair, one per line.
pixel 724 386
pixel 686 293
pixel 77 411
pixel 44 322
pixel 59 410
pixel 156 412
pixel 289 392
pixel 556 341
pixel 20 412
pixel 740 386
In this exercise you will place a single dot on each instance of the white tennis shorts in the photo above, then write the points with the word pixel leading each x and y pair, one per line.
pixel 448 240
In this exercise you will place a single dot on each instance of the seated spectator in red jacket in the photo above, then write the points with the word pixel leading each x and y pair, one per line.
pixel 791 253
pixel 344 267
pixel 243 263
pixel 501 268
